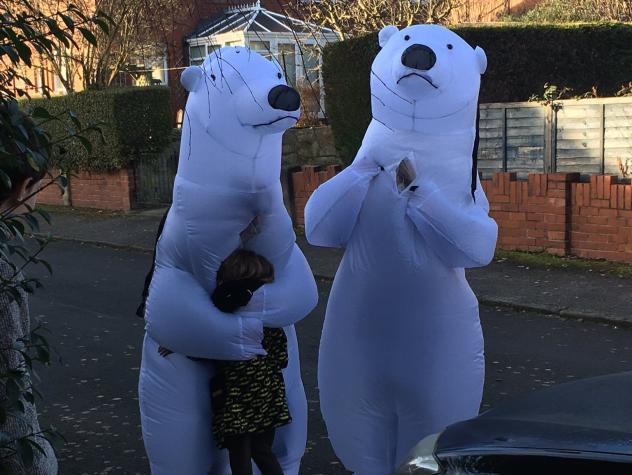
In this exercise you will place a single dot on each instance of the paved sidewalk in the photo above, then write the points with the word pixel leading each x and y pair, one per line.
pixel 568 292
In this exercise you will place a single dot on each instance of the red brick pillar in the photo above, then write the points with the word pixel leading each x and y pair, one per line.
pixel 304 183
pixel 507 201
pixel 556 210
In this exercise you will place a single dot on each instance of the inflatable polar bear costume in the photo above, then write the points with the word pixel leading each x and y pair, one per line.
pixel 401 354
pixel 228 173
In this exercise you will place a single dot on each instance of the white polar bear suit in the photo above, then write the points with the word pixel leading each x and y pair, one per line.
pixel 401 353
pixel 238 108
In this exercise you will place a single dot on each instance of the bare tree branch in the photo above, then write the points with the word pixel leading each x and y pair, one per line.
pixel 355 17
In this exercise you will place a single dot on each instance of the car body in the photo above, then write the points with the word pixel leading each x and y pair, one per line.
pixel 580 427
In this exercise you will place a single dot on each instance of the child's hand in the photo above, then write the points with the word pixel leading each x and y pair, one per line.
pixel 164 352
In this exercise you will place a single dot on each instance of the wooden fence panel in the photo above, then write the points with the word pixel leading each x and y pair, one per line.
pixel 587 136
pixel 491 149
pixel 512 138
pixel 618 137
pixel 574 150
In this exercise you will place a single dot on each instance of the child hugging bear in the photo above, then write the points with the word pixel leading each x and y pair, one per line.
pixel 248 397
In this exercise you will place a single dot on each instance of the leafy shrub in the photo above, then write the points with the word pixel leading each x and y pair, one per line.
pixel 132 120
pixel 25 152
pixel 522 59
pixel 310 103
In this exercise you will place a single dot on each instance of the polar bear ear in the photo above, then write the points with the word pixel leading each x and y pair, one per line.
pixel 481 59
pixel 190 78
pixel 385 34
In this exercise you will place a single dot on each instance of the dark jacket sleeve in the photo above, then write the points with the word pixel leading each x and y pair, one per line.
pixel 140 311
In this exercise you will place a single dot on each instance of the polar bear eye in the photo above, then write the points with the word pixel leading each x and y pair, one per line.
pixel 407 37
pixel 279 75
pixel 450 46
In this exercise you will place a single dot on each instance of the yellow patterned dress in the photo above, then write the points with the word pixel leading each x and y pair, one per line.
pixel 249 396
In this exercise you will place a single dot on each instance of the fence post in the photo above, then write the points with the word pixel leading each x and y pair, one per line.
pixel 504 139
pixel 550 137
pixel 602 138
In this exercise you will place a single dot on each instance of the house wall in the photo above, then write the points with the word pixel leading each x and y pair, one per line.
pixel 482 11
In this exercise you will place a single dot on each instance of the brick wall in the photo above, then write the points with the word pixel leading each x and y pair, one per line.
pixel 532 215
pixel 303 183
pixel 51 195
pixel 602 219
pixel 548 212
pixel 103 190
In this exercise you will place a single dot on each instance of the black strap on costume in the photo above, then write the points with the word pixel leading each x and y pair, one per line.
pixel 475 153
pixel 140 311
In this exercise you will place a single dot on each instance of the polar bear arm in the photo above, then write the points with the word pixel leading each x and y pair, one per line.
pixel 462 235
pixel 332 210
pixel 186 321
pixel 288 299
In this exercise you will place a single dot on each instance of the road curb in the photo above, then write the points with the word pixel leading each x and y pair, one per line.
pixel 547 310
pixel 563 312
pixel 113 245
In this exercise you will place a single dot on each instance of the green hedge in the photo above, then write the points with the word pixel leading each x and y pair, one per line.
pixel 133 120
pixel 522 58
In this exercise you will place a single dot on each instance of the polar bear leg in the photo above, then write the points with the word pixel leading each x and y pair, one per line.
pixel 360 417
pixel 176 415
pixel 433 400
pixel 365 442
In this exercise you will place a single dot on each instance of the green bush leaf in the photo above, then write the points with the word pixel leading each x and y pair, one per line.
pixel 45 215
pixel 68 21
pixel 5 181
pixel 85 142
pixel 41 113
pixel 10 52
pixel 25 451
pixel 88 35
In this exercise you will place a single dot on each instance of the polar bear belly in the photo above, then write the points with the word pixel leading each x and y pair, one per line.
pixel 401 354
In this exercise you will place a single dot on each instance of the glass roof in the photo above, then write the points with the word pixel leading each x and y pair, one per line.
pixel 254 18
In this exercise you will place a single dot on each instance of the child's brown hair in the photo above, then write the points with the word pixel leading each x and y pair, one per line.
pixel 243 264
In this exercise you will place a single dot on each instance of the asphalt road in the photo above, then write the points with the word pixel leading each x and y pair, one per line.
pixel 89 305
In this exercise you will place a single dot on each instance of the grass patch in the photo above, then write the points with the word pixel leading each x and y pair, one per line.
pixel 543 259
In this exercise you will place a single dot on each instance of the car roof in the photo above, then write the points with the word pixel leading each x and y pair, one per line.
pixel 586 417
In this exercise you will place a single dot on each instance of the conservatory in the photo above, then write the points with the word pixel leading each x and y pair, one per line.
pixel 296 44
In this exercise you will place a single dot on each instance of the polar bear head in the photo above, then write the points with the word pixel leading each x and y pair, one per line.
pixel 424 72
pixel 237 96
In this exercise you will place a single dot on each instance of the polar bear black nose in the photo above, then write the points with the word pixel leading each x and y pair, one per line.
pixel 284 98
pixel 419 57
